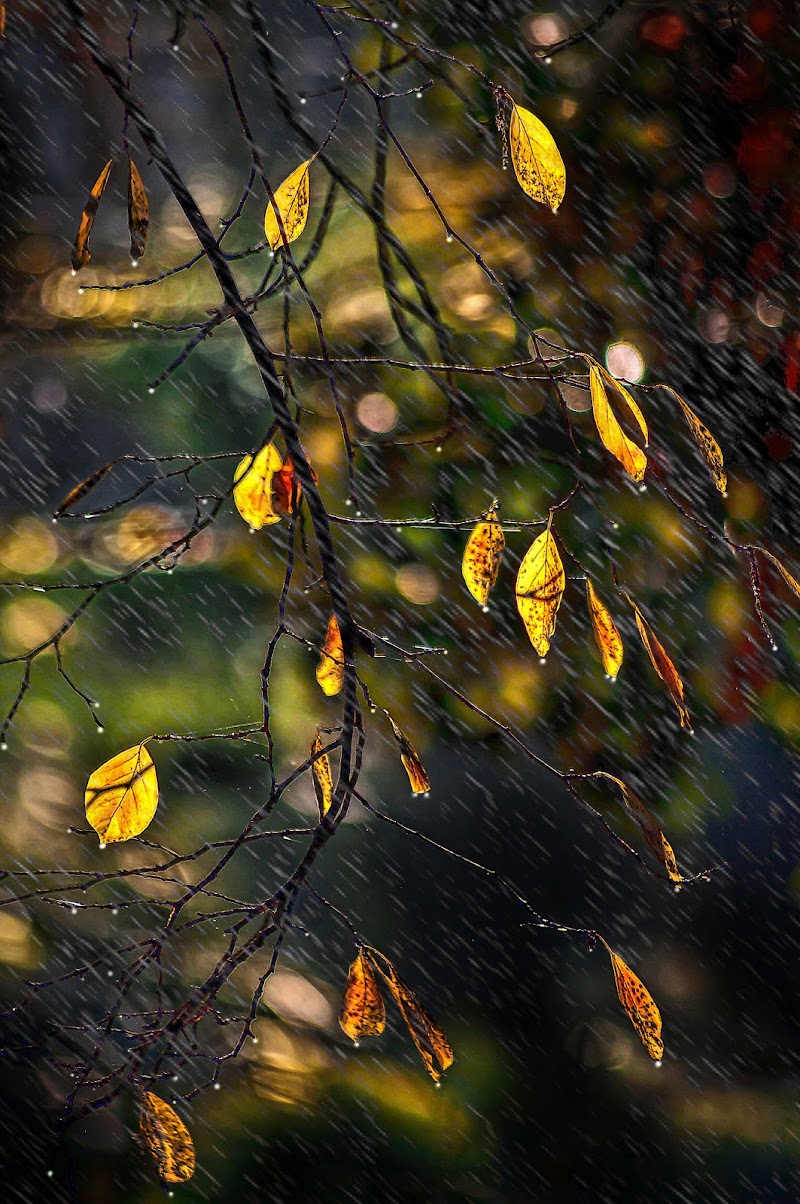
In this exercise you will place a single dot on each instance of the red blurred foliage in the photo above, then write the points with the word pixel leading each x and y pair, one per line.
pixel 764 149
pixel 663 32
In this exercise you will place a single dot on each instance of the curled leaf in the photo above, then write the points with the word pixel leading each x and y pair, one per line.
pixel 429 1039
pixel 417 776
pixel 122 795
pixel 655 838
pixel 606 635
pixel 252 490
pixel 291 202
pixel 80 252
pixel 482 555
pixel 538 165
pixel 138 211
pixel 612 436
pixel 640 1006
pixel 167 1139
pixel 709 448
pixel 540 588
pixel 662 663
pixel 793 584
pixel 323 778
pixel 82 489
pixel 363 1012
pixel 330 670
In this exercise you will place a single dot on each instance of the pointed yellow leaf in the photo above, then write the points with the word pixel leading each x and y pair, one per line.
pixel 330 670
pixel 614 439
pixel 538 165
pixel 291 202
pixel 709 448
pixel 323 778
pixel 138 211
pixel 429 1039
pixel 662 663
pixel 80 252
pixel 363 1012
pixel 252 489
pixel 793 584
pixel 122 795
pixel 606 635
pixel 481 562
pixel 622 393
pixel 167 1139
pixel 540 588
pixel 417 776
pixel 650 829
pixel 640 1006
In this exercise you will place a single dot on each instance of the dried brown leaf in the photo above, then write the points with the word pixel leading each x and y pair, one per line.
pixel 80 252
pixel 417 776
pixel 323 778
pixel 429 1039
pixel 138 211
pixel 363 1012
pixel 793 584
pixel 81 490
pixel 606 635
pixel 640 1006
pixel 655 838
pixel 662 663
pixel 709 448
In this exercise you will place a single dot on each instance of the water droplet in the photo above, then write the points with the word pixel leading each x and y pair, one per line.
pixel 393 25
pixel 657 1064
pixel 135 324
pixel 643 488
pixel 349 502
pixel 50 1174
pixel 3 746
pixel 175 46
pixel 100 728
pixel 542 660
pixel 134 263
pixel 109 973
pixel 485 609
pixel 115 911
pixel 419 96
pixel 438 451
pixel 302 100
pixel 81 291
pixel 102 844
pixel 151 390
pixel 73 272
pixel 548 60
pixel 53 520
pixel 774 647
pixel 438 1084
pixel 216 1086
pixel 356 1044
pixel 73 911
pixel 358 514
pixel 94 703
pixel 449 238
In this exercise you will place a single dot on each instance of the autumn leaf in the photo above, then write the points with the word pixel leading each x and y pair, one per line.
pixel 122 795
pixel 291 202
pixel 606 635
pixel 330 670
pixel 252 489
pixel 540 588
pixel 661 663
pixel 429 1039
pixel 650 829
pixel 167 1139
pixel 80 252
pixel 612 436
pixel 709 448
pixel 138 211
pixel 2 19
pixel 363 1013
pixel 286 488
pixel 420 783
pixel 640 1006
pixel 482 555
pixel 82 489
pixel 323 778
pixel 538 165
pixel 793 584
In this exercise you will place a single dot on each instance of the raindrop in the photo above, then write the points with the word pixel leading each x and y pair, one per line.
pixel 3 746
pixel 485 609
pixel 81 291
pixel 419 96
pixel 657 1064
pixel 73 272
pixel 134 263
pixel 151 389
pixel 542 660
pixel 449 238
pixel 302 100
pixel 100 728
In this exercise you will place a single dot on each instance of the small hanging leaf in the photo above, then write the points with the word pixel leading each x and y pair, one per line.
pixel 2 19
pixel 167 1139
pixel 482 555
pixel 793 584
pixel 323 778
pixel 330 670
pixel 363 1012
pixel 640 1006
pixel 709 448
pixel 608 639
pixel 291 202
pixel 612 436
pixel 420 783
pixel 80 252
pixel 286 488
pixel 538 165
pixel 429 1039
pixel 138 211
pixel 650 829
pixel 252 490
pixel 122 795
pixel 85 487
pixel 661 663
pixel 540 588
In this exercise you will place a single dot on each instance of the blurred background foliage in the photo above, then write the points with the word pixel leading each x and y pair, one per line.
pixel 672 259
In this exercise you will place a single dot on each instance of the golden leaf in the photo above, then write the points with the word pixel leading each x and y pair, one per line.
pixel 640 1006
pixel 330 670
pixel 429 1039
pixel 482 555
pixel 323 778
pixel 122 795
pixel 614 439
pixel 81 490
pixel 709 448
pixel 80 252
pixel 167 1139
pixel 608 639
pixel 291 202
pixel 420 782
pixel 252 489
pixel 363 1013
pixel 537 163
pixel 650 829
pixel 661 663
pixel 540 588
pixel 138 211
pixel 793 584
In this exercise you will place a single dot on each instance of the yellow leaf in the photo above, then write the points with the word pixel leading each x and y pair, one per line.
pixel 793 584
pixel 709 448
pixel 540 588
pixel 640 1006
pixel 614 439
pixel 608 639
pixel 330 670
pixel 80 252
pixel 122 795
pixel 420 783
pixel 291 202
pixel 661 663
pixel 252 489
pixel 167 1139
pixel 429 1039
pixel 537 163
pixel 481 562
pixel 323 778
pixel 363 1013
pixel 650 829
pixel 138 211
